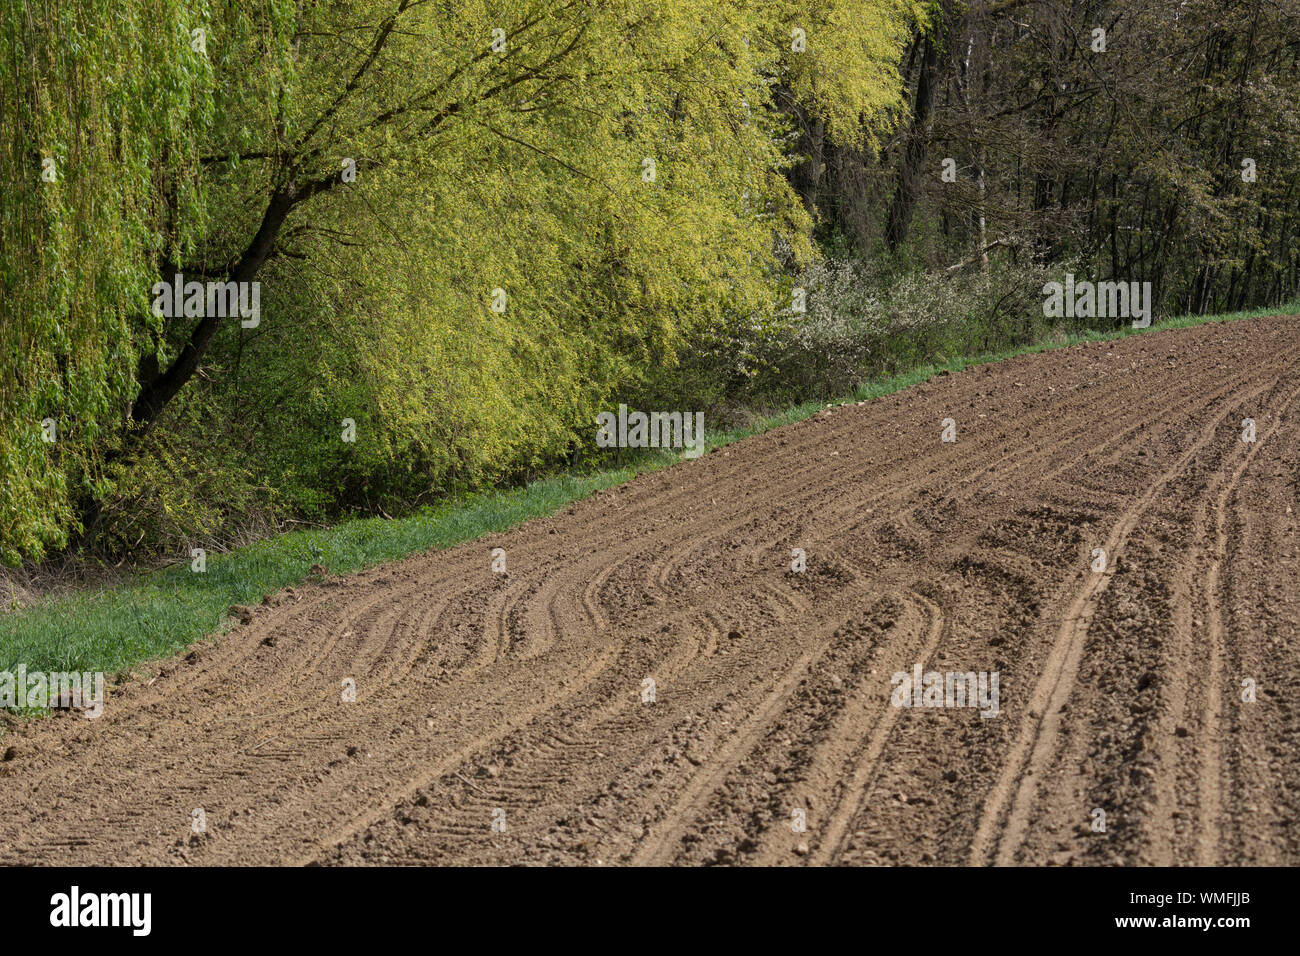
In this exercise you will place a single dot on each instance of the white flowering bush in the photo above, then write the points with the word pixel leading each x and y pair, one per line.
pixel 858 324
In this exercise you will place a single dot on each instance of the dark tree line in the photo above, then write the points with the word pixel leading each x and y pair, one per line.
pixel 1163 149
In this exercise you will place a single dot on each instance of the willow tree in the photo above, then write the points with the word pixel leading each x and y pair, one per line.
pixel 536 196
pixel 102 112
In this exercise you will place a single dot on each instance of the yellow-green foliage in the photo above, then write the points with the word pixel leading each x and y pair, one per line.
pixel 92 87
pixel 848 71
pixel 523 168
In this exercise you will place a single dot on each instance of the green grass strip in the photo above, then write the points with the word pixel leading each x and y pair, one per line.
pixel 114 628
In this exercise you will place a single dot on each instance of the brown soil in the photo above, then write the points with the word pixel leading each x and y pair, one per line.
pixel 477 692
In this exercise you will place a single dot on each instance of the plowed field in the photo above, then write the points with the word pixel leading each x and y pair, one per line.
pixel 504 719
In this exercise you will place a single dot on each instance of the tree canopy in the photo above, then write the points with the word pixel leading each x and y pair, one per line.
pixel 607 172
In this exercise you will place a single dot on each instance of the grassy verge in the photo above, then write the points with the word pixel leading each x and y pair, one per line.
pixel 112 629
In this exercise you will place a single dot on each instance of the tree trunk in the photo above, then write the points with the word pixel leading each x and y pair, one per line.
pixel 163 386
pixel 907 188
